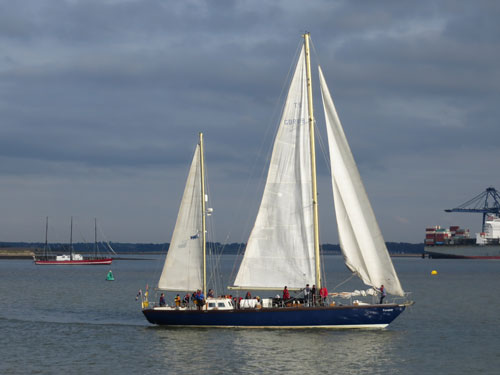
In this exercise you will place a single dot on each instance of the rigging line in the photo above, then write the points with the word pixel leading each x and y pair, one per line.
pixel 323 271
pixel 83 240
pixel 158 270
pixel 318 131
pixel 272 121
pixel 106 241
pixel 214 261
pixel 214 278
pixel 213 254
pixel 327 163
pixel 52 233
pixel 343 282
pixel 324 150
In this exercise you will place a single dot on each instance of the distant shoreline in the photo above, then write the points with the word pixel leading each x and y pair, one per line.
pixel 28 249
pixel 29 253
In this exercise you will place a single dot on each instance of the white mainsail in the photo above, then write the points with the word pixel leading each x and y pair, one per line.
pixel 360 237
pixel 183 268
pixel 280 250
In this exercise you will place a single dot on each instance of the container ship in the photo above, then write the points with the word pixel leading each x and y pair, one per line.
pixel 455 242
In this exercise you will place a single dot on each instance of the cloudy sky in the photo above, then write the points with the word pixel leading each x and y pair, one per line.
pixel 101 102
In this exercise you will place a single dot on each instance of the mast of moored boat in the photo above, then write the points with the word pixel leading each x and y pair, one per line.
pixel 71 240
pixel 46 231
pixel 313 161
pixel 203 222
pixel 95 237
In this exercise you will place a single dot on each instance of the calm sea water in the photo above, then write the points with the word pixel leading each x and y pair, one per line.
pixel 70 320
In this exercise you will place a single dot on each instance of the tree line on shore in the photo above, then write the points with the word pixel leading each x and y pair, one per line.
pixel 231 248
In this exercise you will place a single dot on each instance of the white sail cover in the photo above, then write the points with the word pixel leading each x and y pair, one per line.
pixel 280 250
pixel 360 237
pixel 183 268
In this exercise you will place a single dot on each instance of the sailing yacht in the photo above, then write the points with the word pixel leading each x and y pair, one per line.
pixel 72 258
pixel 285 236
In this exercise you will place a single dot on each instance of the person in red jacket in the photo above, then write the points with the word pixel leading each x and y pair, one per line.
pixel 286 295
pixel 323 293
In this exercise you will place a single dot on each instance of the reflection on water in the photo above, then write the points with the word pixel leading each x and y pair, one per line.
pixel 249 351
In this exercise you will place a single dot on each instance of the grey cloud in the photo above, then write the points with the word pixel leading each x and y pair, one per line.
pixel 118 91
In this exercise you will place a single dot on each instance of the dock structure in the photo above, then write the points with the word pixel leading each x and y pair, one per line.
pixel 17 252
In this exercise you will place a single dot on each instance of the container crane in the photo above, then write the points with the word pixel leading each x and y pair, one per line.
pixel 488 202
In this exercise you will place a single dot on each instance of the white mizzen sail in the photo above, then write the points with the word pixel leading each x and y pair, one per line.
pixel 360 237
pixel 280 250
pixel 183 269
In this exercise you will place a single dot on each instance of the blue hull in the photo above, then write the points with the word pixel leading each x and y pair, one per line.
pixel 365 316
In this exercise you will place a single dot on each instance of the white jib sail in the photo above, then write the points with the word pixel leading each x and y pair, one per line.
pixel 280 250
pixel 183 266
pixel 360 237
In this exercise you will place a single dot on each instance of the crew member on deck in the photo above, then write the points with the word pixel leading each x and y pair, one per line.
pixel 199 299
pixel 382 293
pixel 307 295
pixel 177 300
pixel 323 293
pixel 162 300
pixel 286 295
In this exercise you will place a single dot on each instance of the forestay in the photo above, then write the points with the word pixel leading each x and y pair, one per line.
pixel 280 250
pixel 360 237
pixel 183 269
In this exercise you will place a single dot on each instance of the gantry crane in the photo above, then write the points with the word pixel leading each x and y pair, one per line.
pixel 488 202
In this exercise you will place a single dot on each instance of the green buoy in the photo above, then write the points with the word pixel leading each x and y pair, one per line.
pixel 110 276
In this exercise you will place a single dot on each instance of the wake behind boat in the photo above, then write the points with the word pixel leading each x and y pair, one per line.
pixel 283 248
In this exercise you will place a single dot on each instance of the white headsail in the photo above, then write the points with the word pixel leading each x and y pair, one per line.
pixel 280 250
pixel 183 269
pixel 360 237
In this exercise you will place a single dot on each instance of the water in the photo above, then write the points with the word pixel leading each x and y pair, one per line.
pixel 70 320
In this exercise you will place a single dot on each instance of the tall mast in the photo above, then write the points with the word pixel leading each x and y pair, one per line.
pixel 46 231
pixel 71 239
pixel 203 223
pixel 95 237
pixel 313 161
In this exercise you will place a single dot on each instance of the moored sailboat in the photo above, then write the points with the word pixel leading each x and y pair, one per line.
pixel 70 257
pixel 285 236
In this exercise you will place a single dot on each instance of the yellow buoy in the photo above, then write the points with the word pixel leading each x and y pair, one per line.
pixel 434 272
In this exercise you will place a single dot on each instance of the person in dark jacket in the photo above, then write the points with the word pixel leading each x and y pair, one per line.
pixel 382 293
pixel 313 295
pixel 200 299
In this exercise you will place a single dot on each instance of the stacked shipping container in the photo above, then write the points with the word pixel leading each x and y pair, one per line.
pixel 441 236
